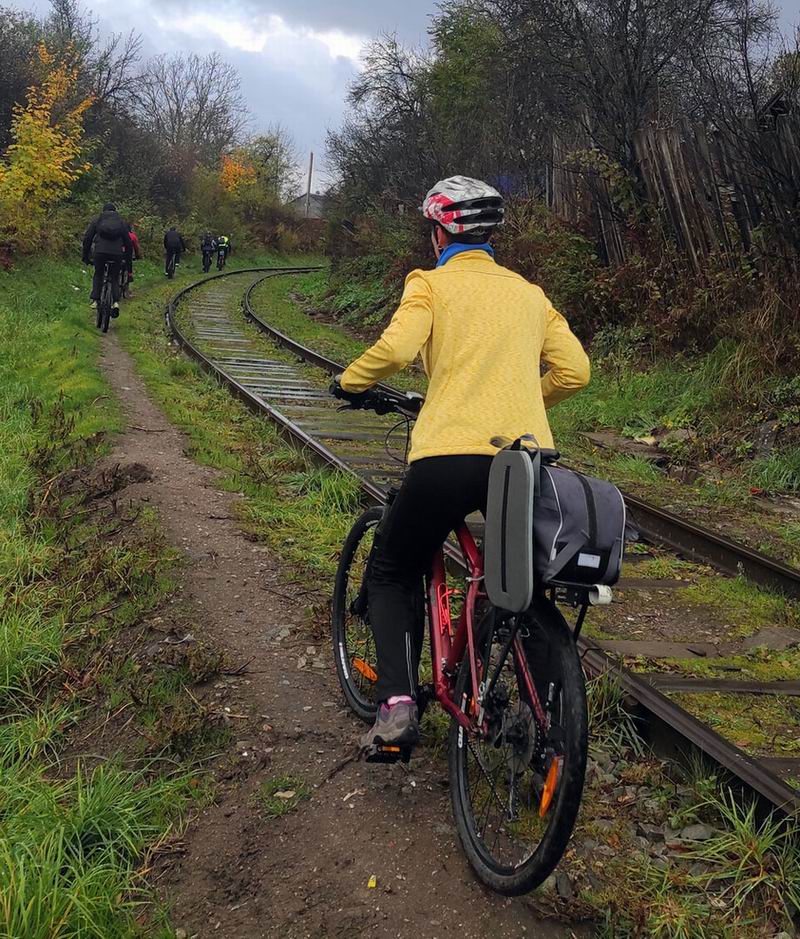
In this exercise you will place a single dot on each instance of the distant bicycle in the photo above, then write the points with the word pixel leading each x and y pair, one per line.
pixel 171 261
pixel 221 255
pixel 207 261
pixel 105 303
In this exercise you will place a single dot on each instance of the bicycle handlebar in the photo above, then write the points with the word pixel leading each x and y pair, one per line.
pixel 379 400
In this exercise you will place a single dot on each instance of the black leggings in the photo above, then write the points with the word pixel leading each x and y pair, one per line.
pixel 437 494
pixel 100 261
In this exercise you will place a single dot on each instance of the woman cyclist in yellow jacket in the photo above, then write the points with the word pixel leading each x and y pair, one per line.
pixel 482 332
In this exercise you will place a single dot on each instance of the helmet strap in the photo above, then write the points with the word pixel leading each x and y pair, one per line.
pixel 439 240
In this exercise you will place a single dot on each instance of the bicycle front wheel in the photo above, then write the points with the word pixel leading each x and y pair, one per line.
pixel 353 642
pixel 516 785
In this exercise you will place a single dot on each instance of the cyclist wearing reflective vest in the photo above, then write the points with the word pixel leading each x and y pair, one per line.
pixel 482 332
pixel 224 245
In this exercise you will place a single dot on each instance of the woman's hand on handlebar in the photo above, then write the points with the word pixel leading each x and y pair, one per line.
pixel 355 399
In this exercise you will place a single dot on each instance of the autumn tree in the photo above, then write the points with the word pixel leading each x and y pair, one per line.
pixel 43 161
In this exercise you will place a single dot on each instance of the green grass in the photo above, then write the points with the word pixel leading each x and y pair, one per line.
pixel 753 862
pixel 747 607
pixel 281 795
pixel 72 844
pixel 741 883
pixel 759 724
pixel 71 851
pixel 612 728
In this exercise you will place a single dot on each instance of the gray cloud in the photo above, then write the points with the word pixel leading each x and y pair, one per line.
pixel 409 18
pixel 295 70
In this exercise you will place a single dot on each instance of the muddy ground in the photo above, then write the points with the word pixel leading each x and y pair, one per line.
pixel 235 872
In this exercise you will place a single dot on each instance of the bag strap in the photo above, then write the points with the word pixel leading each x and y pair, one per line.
pixel 564 556
pixel 591 507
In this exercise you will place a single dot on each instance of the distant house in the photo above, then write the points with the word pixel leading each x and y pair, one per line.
pixel 316 205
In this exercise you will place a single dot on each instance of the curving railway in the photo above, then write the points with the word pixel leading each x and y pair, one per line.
pixel 209 321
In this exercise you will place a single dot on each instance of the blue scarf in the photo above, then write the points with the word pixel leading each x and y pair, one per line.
pixel 456 248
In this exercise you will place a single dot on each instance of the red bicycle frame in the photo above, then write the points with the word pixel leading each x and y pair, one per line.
pixel 449 644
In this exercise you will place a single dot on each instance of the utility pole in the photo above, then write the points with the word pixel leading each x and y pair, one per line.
pixel 308 190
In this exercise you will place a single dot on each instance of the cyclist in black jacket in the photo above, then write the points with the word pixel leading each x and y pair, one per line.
pixel 109 234
pixel 173 246
pixel 208 246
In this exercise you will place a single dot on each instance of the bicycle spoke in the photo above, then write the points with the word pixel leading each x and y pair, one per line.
pixel 491 779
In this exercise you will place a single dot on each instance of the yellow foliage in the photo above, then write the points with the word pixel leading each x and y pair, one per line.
pixel 42 162
pixel 236 175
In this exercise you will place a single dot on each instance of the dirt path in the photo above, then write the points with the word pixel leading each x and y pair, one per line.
pixel 239 874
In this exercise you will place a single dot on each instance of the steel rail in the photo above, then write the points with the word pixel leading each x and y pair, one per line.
pixel 681 725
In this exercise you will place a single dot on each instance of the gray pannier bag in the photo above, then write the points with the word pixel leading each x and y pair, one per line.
pixel 547 525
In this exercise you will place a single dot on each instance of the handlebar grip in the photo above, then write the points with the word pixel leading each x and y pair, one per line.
pixel 354 398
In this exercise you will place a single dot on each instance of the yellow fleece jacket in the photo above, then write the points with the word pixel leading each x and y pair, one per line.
pixel 482 331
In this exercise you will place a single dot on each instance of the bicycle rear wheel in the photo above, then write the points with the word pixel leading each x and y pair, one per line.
pixel 353 642
pixel 516 787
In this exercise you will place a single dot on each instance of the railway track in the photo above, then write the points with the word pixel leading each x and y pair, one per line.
pixel 205 320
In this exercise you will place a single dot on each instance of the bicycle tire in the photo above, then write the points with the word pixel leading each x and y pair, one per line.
pixel 104 307
pixel 535 867
pixel 171 268
pixel 357 701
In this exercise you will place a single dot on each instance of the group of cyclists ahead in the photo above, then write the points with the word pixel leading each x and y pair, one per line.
pixel 210 246
pixel 111 245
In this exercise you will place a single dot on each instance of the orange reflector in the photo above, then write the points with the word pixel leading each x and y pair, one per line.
pixel 365 669
pixel 390 749
pixel 550 786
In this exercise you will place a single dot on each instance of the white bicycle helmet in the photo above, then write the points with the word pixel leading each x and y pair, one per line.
pixel 460 204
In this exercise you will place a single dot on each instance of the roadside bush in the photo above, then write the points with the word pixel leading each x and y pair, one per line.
pixel 561 260
pixel 370 255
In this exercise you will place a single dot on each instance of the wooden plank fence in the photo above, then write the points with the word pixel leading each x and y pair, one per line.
pixel 707 193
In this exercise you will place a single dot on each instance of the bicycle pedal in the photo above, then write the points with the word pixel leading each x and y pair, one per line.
pixel 387 753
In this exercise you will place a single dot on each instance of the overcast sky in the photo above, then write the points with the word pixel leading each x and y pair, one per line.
pixel 295 57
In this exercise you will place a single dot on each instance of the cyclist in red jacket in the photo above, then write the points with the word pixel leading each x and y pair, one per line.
pixel 136 252
pixel 135 239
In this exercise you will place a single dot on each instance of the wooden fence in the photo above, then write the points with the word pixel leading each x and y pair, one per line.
pixel 707 192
